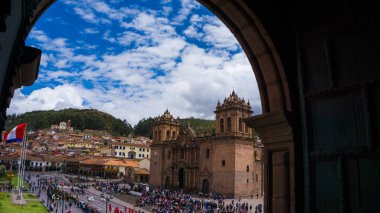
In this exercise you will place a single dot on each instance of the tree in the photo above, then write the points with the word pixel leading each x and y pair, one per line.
pixel 3 171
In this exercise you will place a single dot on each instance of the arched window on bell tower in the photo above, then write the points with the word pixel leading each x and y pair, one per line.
pixel 229 124
pixel 240 125
pixel 173 135
pixel 168 135
pixel 221 125
pixel 159 135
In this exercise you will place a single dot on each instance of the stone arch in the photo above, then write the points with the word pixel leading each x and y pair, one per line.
pixel 167 182
pixel 181 178
pixel 205 186
pixel 247 28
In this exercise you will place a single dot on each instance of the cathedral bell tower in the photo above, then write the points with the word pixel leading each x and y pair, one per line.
pixel 230 115
pixel 165 128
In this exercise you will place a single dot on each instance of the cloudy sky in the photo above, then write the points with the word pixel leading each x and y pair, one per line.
pixel 134 59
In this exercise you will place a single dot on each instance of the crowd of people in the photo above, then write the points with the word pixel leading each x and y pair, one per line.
pixel 168 201
pixel 157 200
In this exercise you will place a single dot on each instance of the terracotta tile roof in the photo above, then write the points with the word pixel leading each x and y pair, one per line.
pixel 111 162
pixel 139 171
pixel 130 144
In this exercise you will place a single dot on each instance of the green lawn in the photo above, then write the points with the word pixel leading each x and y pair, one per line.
pixel 29 196
pixel 14 181
pixel 32 206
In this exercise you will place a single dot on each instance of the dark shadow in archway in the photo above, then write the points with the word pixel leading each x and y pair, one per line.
pixel 205 186
pixel 181 178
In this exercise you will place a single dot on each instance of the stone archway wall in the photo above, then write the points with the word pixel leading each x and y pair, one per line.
pixel 273 125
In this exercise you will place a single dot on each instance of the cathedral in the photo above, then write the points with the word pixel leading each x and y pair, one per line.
pixel 228 162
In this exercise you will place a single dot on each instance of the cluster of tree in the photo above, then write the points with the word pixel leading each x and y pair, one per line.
pixel 201 126
pixel 3 171
pixel 82 119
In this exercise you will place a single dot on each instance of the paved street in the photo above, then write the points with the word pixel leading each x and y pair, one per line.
pixel 90 192
pixel 98 202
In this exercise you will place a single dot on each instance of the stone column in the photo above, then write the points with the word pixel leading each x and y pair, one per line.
pixel 279 177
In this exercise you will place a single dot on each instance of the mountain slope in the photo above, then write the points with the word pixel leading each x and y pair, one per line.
pixel 80 119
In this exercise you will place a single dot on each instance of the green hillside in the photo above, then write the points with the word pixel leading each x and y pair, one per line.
pixel 200 126
pixel 80 119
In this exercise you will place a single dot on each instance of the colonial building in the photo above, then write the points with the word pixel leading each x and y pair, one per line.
pixel 228 162
pixel 130 150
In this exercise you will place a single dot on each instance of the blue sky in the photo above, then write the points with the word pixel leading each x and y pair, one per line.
pixel 134 59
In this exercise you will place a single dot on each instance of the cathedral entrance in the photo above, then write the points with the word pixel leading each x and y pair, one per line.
pixel 167 182
pixel 205 186
pixel 181 178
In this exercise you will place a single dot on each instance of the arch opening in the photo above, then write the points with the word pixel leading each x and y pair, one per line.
pixel 181 178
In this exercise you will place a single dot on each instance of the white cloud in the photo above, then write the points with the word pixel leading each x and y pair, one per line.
pixel 218 35
pixel 86 14
pixel 47 98
pixel 192 32
pixel 90 31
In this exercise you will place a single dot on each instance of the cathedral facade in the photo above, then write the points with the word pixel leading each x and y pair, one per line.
pixel 229 162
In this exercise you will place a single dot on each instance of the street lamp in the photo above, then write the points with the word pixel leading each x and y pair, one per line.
pixel 107 196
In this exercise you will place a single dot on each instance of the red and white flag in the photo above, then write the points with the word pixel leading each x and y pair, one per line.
pixel 15 135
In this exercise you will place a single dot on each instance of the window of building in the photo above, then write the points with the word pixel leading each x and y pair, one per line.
pixel 240 125
pixel 173 135
pixel 222 125
pixel 223 162
pixel 168 135
pixel 207 153
pixel 120 153
pixel 159 135
pixel 143 149
pixel 140 149
pixel 116 147
pixel 147 150
pixel 247 168
pixel 142 155
pixel 246 129
pixel 115 153
pixel 147 156
pixel 247 180
pixel 229 124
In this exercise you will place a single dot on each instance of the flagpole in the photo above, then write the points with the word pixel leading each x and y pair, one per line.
pixel 23 161
pixel 19 171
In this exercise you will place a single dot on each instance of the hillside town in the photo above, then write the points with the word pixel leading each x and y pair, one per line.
pixel 89 153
